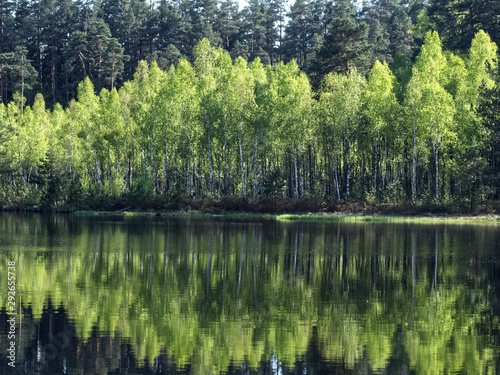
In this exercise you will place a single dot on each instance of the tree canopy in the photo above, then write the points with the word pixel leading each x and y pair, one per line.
pixel 219 127
pixel 49 47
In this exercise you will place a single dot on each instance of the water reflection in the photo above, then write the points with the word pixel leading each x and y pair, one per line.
pixel 211 296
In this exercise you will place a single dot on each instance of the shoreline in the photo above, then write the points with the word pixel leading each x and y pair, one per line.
pixel 282 210
pixel 307 217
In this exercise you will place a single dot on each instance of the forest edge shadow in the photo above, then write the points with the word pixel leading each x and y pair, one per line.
pixel 282 210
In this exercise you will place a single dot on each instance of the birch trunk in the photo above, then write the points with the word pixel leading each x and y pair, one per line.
pixel 435 146
pixel 19 151
pixel 301 191
pixel 151 147
pixel 348 164
pixel 384 166
pixel 295 172
pixel 375 170
pixel 166 161
pixel 128 166
pixel 209 154
pixel 243 192
pixel 414 167
pixel 109 165
pixel 71 158
pixel 226 167
pixel 254 164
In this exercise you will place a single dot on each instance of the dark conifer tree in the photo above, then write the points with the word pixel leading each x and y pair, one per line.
pixel 23 75
pixel 274 13
pixel 490 111
pixel 6 62
pixel 227 24
pixel 239 50
pixel 106 55
pixel 7 22
pixel 204 20
pixel 399 27
pixel 23 26
pixel 389 29
pixel 77 62
pixel 299 32
pixel 458 21
pixel 345 45
pixel 51 25
pixel 253 33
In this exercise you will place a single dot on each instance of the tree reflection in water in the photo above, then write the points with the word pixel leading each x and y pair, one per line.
pixel 209 296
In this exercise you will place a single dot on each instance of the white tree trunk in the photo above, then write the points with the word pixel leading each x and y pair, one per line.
pixel 243 192
pixel 295 172
pixel 166 160
pixel 152 160
pixel 348 164
pixel 209 155
pixel 414 166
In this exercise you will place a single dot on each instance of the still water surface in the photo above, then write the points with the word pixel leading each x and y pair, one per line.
pixel 210 296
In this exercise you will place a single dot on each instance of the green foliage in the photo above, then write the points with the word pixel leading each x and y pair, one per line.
pixel 345 47
pixel 460 21
pixel 52 192
pixel 223 128
pixel 142 191
pixel 274 184
pixel 57 44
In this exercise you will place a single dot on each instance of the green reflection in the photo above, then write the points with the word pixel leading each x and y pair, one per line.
pixel 212 293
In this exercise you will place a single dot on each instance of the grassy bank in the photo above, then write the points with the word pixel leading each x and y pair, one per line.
pixel 420 219
pixel 283 210
pixel 310 217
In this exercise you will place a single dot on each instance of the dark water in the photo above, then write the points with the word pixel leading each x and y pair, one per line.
pixel 143 296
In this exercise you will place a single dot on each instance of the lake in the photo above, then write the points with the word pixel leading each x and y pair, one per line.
pixel 119 295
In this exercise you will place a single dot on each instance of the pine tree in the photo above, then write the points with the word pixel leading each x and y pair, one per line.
pixel 239 50
pixel 344 47
pixel 23 74
pixel 77 62
pixel 379 38
pixel 389 28
pixel 253 33
pixel 6 25
pixel 299 32
pixel 6 61
pixel 458 21
pixel 273 24
pixel 23 25
pixel 399 26
pixel 227 23
pixel 113 62
pixel 490 111
pixel 138 42
pixel 169 56
pixel 98 40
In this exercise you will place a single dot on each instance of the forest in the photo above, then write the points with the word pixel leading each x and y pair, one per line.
pixel 179 105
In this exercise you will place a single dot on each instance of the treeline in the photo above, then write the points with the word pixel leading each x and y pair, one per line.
pixel 50 46
pixel 218 128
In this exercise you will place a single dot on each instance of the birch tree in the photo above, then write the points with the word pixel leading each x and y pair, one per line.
pixel 381 109
pixel 148 81
pixel 431 106
pixel 185 104
pixel 206 70
pixel 344 95
pixel 86 107
pixel 240 101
